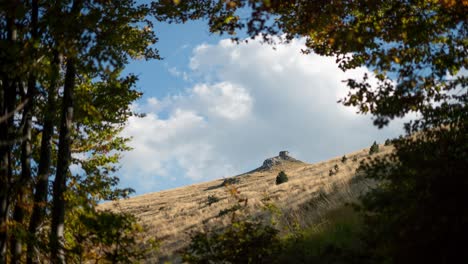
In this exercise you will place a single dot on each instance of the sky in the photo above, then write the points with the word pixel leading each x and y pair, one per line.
pixel 216 109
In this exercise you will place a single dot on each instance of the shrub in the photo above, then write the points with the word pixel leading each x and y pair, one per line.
pixel 333 171
pixel 232 209
pixel 281 178
pixel 425 176
pixel 344 159
pixel 336 168
pixel 335 238
pixel 388 142
pixel 212 199
pixel 109 237
pixel 230 181
pixel 241 242
pixel 374 148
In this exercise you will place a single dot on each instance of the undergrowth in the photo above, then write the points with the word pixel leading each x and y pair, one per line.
pixel 333 239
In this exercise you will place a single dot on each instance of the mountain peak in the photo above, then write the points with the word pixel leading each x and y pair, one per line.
pixel 273 162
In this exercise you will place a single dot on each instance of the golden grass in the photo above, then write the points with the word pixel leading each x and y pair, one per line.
pixel 172 215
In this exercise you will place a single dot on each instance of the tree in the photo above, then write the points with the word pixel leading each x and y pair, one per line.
pixel 281 178
pixel 241 242
pixel 388 142
pixel 417 52
pixel 374 148
pixel 411 46
pixel 61 78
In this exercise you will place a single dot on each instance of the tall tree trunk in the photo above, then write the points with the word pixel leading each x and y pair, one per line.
pixel 4 174
pixel 23 183
pixel 4 177
pixel 25 179
pixel 6 141
pixel 63 163
pixel 7 108
pixel 45 162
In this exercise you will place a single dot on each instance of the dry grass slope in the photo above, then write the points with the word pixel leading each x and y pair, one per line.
pixel 172 215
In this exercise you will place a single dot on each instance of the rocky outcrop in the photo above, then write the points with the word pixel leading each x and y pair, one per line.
pixel 270 163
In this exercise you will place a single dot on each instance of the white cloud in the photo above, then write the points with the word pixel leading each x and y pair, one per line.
pixel 176 73
pixel 250 102
pixel 224 99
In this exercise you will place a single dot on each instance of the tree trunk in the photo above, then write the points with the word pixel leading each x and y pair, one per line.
pixel 23 182
pixel 63 163
pixel 45 162
pixel 6 141
pixel 4 174
pixel 7 108
pixel 25 179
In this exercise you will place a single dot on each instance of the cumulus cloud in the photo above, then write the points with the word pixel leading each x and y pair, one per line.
pixel 250 101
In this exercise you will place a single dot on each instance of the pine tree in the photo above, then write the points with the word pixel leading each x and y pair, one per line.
pixel 281 178
pixel 374 148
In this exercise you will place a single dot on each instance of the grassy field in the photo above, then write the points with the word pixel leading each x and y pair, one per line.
pixel 310 196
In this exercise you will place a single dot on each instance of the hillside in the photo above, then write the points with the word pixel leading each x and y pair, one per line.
pixel 172 215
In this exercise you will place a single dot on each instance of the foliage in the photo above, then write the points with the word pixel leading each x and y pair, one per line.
pixel 414 215
pixel 243 241
pixel 273 213
pixel 240 203
pixel 410 45
pixel 388 142
pixel 374 148
pixel 344 159
pixel 281 178
pixel 334 171
pixel 231 209
pixel 107 237
pixel 212 199
pixel 64 100
pixel 240 242
pixel 334 239
pixel 230 181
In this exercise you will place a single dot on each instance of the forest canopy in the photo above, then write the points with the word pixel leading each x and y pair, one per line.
pixel 63 101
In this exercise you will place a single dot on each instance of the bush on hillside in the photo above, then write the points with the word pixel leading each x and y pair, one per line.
pixel 334 239
pixel 212 199
pixel 334 171
pixel 336 168
pixel 231 209
pixel 241 242
pixel 281 178
pixel 230 181
pixel 425 176
pixel 374 148
pixel 344 159
pixel 109 237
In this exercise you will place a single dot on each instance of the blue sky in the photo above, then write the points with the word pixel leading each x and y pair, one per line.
pixel 175 45
pixel 217 109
